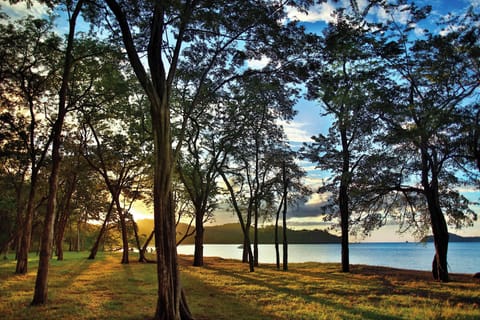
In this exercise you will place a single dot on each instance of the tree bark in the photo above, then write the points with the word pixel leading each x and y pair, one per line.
pixel 285 205
pixel 343 195
pixel 62 217
pixel 437 219
pixel 24 248
pixel 343 200
pixel 277 249
pixel 123 225
pixel 255 236
pixel 440 238
pixel 199 235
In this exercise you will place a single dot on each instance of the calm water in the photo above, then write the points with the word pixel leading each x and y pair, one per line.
pixel 463 257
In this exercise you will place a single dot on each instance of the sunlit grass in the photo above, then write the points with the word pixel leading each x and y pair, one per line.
pixel 224 289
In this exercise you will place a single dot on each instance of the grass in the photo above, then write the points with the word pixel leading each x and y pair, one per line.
pixel 224 289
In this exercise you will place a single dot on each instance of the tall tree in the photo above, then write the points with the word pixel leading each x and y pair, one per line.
pixel 250 168
pixel 28 78
pixel 438 78
pixel 41 286
pixel 349 82
pixel 163 29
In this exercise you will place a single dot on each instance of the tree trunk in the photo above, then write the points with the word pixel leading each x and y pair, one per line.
pixel 199 235
pixel 246 233
pixel 41 288
pixel 169 288
pixel 170 304
pixel 141 253
pixel 285 205
pixel 24 249
pixel 142 257
pixel 63 215
pixel 246 243
pixel 255 236
pixel 343 200
pixel 123 225
pixel 440 239
pixel 277 249
pixel 437 219
pixel 46 246
pixel 94 250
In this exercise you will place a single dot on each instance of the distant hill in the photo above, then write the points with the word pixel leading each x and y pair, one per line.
pixel 453 238
pixel 232 234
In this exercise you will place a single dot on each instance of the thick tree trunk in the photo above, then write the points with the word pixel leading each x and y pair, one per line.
pixel 343 196
pixel 437 219
pixel 440 239
pixel 199 235
pixel 170 305
pixel 343 200
pixel 169 288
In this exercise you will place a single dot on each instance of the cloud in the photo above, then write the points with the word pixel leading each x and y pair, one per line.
pixel 20 10
pixel 316 222
pixel 313 207
pixel 296 131
pixel 320 12
pixel 258 64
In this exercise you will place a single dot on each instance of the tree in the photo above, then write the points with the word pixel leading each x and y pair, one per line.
pixel 28 79
pixel 40 293
pixel 436 84
pixel 348 82
pixel 170 28
pixel 250 169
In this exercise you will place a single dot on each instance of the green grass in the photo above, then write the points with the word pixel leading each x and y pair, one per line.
pixel 224 289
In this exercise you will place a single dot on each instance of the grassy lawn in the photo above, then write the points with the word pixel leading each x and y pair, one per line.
pixel 224 289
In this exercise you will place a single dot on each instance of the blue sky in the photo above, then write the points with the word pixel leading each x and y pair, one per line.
pixel 308 122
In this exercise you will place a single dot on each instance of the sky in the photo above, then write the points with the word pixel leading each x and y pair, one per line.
pixel 308 121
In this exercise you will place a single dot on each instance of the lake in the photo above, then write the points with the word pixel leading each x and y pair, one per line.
pixel 463 257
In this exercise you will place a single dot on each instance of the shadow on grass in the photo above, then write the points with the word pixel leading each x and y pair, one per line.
pixel 210 302
pixel 306 292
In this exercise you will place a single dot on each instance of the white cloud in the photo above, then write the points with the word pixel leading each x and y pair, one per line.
pixel 317 199
pixel 258 64
pixel 324 12
pixel 21 10
pixel 295 132
pixel 320 12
